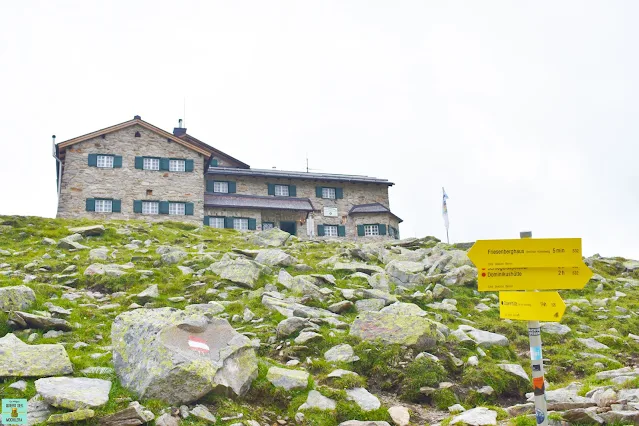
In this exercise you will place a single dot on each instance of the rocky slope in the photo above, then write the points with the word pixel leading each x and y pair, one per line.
pixel 125 323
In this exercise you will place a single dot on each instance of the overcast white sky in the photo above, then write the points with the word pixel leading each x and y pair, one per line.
pixel 525 111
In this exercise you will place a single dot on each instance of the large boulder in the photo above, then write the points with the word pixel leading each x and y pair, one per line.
pixel 461 276
pixel 26 320
pixel 240 271
pixel 275 257
pixel 406 273
pixel 287 379
pixel 18 298
pixel 74 393
pixel 479 416
pixel 486 339
pixel 88 231
pixel 179 357
pixel 390 328
pixel 17 359
pixel 273 237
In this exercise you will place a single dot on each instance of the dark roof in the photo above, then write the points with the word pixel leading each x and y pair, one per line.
pixel 257 202
pixel 272 173
pixel 372 208
pixel 214 151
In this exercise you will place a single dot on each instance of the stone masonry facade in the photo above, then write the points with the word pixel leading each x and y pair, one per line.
pixel 80 181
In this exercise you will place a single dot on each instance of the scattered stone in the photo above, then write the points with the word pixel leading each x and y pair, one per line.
pixel 37 410
pixel 341 307
pixel 357 267
pixel 185 355
pixel 515 369
pixel 167 420
pixel 149 294
pixel 307 336
pixel 134 414
pixel 20 385
pixel 457 408
pixel 74 393
pixel 591 343
pixel 318 401
pixel 487 339
pixel 366 400
pixel 16 298
pixel 441 292
pixel 476 417
pixel 240 271
pixel 555 328
pixel 341 373
pixel 369 305
pixel 417 332
pixel 73 416
pixel 582 416
pixel 275 257
pixel 400 415
pixel 273 237
pixel 17 359
pixel 364 423
pixel 291 325
pixel 88 231
pixel 99 254
pixel 341 353
pixel 287 379
pixel 566 398
pixel 203 413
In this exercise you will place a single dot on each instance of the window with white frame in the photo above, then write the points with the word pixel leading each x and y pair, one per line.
pixel 328 193
pixel 330 230
pixel 150 207
pixel 371 230
pixel 267 225
pixel 105 161
pixel 240 224
pixel 216 222
pixel 281 190
pixel 103 206
pixel 151 164
pixel 177 165
pixel 177 208
pixel 221 187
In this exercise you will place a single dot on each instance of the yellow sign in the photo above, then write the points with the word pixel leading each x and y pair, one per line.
pixel 548 278
pixel 531 306
pixel 529 252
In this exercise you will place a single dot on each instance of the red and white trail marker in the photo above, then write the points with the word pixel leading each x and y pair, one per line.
pixel 198 344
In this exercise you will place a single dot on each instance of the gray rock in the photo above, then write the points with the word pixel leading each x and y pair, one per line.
pixel 149 294
pixel 134 414
pixel 210 309
pixel 401 308
pixel 185 271
pixel 341 353
pixel 173 257
pixel 555 328
pixel 68 244
pixel 366 400
pixel 307 336
pixel 456 408
pixel 406 273
pixel 72 417
pixel 274 237
pixel 240 271
pixel 591 343
pixel 379 281
pixel 88 231
pixel 364 423
pixel 621 417
pixel 566 398
pixel 98 254
pixel 318 401
pixel 167 420
pixel 414 331
pixel 16 298
pixel 357 267
pixel 49 242
pixel 20 385
pixel 582 416
pixel 275 257
pixel 341 373
pixel 203 413
pixel 515 369
pixel 287 379
pixel 176 363
pixel 341 307
pixel 74 393
pixel 25 320
pixel 291 325
pixel 476 417
pixel 441 292
pixel 486 338
pixel 37 410
pixel 620 372
pixel 369 305
pixel 400 415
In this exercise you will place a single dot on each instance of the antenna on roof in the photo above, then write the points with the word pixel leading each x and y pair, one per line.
pixel 180 123
pixel 307 162
pixel 184 110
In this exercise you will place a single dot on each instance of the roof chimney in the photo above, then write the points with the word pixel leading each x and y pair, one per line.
pixel 137 117
pixel 179 131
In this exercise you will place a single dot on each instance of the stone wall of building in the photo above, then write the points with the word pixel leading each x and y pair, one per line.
pixel 80 181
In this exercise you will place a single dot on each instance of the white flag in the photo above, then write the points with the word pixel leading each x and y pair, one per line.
pixel 445 208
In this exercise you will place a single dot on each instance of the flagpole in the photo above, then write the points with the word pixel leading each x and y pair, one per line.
pixel 447 240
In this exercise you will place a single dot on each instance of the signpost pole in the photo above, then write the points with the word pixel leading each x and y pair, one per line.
pixel 537 363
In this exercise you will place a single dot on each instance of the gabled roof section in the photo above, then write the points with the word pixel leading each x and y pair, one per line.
pixel 201 148
pixel 214 151
pixel 372 208
pixel 271 173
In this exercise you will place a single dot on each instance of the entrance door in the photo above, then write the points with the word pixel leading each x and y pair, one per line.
pixel 289 227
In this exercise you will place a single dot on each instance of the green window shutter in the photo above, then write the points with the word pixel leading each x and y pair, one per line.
pixel 228 222
pixel 318 191
pixel 90 204
pixel 188 209
pixel 116 206
pixel 137 206
pixel 360 230
pixel 382 229
pixel 341 231
pixel 209 186
pixel 206 220
pixel 232 187
pixel 117 161
pixel 164 164
pixel 164 207
pixel 339 192
pixel 188 166
pixel 252 224
pixel 271 188
pixel 139 162
pixel 292 191
pixel 93 160
pixel 320 230
pixel 214 162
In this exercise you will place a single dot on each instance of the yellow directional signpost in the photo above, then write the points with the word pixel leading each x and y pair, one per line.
pixel 539 306
pixel 531 264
